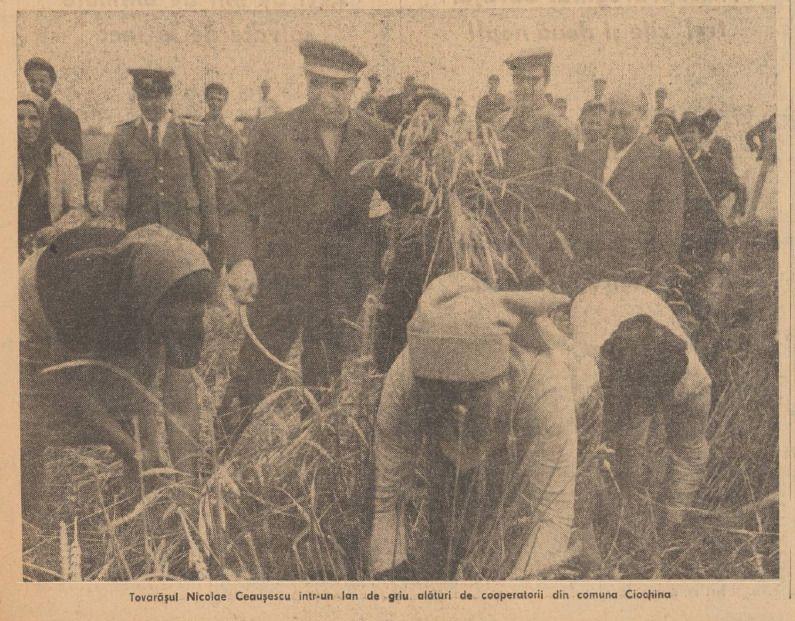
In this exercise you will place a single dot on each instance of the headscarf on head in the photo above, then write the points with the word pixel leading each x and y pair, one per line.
pixel 38 154
pixel 462 329
pixel 99 291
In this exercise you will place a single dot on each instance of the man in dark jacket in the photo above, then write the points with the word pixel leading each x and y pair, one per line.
pixel 63 123
pixel 636 226
pixel 300 240
pixel 159 171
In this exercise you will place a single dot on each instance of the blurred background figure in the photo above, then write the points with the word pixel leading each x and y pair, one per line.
pixel 662 125
pixel 660 99
pixel 593 124
pixel 267 106
pixel 599 86
pixel 399 105
pixel 713 143
pixel 492 104
pixel 50 188
pixel 61 121
pixel 370 103
pixel 223 145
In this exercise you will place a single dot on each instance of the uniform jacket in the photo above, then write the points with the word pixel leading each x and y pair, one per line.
pixel 294 210
pixel 65 127
pixel 177 191
pixel 648 183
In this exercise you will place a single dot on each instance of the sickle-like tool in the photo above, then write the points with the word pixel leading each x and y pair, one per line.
pixel 243 314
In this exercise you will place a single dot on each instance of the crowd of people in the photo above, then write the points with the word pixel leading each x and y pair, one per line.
pixel 278 216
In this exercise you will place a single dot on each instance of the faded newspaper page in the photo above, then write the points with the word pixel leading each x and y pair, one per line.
pixel 396 310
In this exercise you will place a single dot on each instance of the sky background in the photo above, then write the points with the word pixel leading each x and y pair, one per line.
pixel 722 57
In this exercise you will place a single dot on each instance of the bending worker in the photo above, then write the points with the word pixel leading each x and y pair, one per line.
pixel 119 306
pixel 496 424
pixel 647 367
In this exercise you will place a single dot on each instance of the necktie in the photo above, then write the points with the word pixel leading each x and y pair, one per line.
pixel 154 138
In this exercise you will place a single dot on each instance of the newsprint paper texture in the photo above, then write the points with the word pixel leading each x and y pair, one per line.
pixel 396 310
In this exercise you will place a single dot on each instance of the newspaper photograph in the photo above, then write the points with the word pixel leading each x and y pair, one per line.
pixel 425 302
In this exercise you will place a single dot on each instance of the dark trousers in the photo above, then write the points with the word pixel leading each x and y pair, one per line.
pixel 325 304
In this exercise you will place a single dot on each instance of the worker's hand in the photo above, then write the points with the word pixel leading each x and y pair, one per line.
pixel 242 281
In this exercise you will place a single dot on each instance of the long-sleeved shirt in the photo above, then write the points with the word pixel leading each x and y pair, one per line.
pixel 532 435
pixel 596 313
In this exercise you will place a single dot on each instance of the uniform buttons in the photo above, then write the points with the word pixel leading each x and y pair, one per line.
pixel 160 168
pixel 162 193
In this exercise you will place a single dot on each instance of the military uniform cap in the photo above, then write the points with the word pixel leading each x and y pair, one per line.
pixel 525 61
pixel 330 60
pixel 39 63
pixel 152 82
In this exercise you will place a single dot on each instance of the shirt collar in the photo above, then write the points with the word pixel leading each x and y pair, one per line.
pixel 619 154
pixel 161 124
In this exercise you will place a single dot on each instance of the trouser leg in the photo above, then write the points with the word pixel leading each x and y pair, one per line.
pixel 276 324
pixel 330 329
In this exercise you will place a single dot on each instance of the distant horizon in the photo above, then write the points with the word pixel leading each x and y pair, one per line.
pixel 721 57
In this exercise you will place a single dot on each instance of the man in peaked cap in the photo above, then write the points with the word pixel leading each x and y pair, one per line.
pixel 536 138
pixel 158 168
pixel 63 123
pixel 300 240
pixel 501 428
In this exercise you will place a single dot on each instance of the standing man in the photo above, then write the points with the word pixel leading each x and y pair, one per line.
pixel 660 98
pixel 300 241
pixel 267 107
pixel 63 123
pixel 492 104
pixel 599 86
pixel 158 168
pixel 536 140
pixel 533 135
pixel 704 232
pixel 222 142
pixel 370 103
pixel 645 178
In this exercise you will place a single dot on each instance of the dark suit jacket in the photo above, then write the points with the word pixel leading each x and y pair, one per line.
pixel 721 147
pixel 295 212
pixel 65 128
pixel 648 184
pixel 177 191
